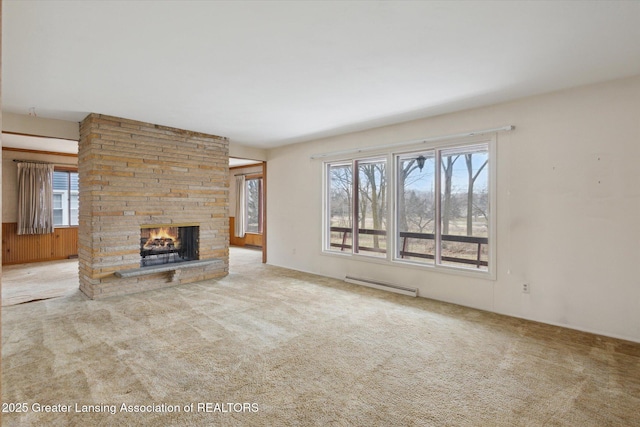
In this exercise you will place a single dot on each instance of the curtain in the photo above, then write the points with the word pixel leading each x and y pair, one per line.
pixel 35 198
pixel 240 206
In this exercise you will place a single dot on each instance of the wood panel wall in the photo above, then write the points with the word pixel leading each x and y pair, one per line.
pixel 249 239
pixel 61 244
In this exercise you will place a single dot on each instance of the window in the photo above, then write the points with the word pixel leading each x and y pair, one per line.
pixel 416 206
pixel 253 210
pixel 371 208
pixel 340 207
pixel 448 226
pixel 464 206
pixel 441 214
pixel 65 198
pixel 359 201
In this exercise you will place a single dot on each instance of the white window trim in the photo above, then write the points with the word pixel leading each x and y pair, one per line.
pixel 65 208
pixel 356 162
pixel 392 238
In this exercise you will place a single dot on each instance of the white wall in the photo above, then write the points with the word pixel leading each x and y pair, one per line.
pixel 568 209
pixel 243 152
pixel 31 125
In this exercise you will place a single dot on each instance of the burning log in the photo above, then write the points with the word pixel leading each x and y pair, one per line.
pixel 161 239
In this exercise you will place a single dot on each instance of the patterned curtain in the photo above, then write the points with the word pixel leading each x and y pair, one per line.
pixel 240 206
pixel 35 198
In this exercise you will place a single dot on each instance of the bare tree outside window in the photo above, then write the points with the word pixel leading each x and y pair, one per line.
pixel 372 212
pixel 448 204
pixel 340 207
pixel 465 206
pixel 416 206
pixel 441 206
pixel 254 205
pixel 473 175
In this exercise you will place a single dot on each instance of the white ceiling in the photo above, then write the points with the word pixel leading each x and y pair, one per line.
pixel 271 73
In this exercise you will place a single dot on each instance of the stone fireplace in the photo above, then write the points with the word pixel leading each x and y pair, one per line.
pixel 136 179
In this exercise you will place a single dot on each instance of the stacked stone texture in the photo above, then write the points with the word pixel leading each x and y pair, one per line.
pixel 134 174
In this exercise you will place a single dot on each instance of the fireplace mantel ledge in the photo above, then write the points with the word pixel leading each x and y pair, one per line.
pixel 152 269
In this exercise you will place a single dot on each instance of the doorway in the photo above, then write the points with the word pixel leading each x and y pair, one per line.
pixel 39 266
pixel 247 205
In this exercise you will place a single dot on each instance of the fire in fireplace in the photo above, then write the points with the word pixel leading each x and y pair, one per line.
pixel 168 244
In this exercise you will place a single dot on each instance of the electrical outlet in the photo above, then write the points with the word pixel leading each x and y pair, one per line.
pixel 526 288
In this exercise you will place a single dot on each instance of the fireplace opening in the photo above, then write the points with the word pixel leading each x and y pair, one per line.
pixel 164 245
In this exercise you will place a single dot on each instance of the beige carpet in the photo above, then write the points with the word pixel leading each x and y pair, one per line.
pixel 37 281
pixel 303 350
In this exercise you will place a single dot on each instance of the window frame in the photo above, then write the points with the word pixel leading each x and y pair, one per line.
pixel 355 250
pixel 395 204
pixel 355 233
pixel 66 197
pixel 393 240
pixel 260 180
pixel 326 207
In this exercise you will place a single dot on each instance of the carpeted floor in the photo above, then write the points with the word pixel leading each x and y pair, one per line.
pixel 267 346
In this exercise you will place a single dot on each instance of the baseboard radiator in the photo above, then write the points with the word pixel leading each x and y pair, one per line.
pixel 382 285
